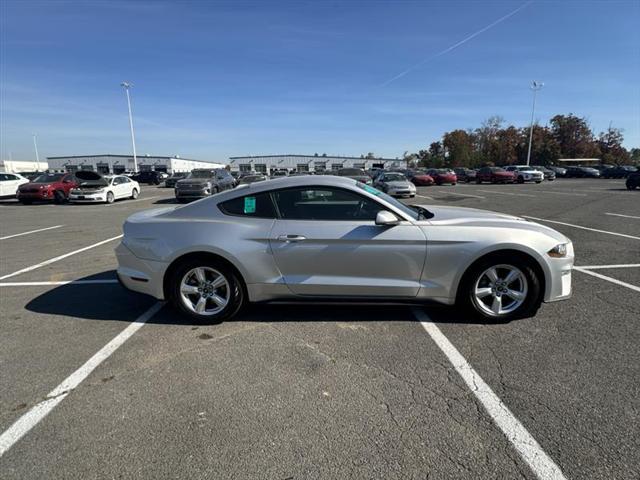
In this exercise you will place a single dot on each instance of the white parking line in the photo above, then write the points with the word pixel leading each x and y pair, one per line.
pixel 600 267
pixel 563 193
pixel 461 194
pixel 424 196
pixel 578 226
pixel 612 214
pixel 608 279
pixel 508 193
pixel 67 282
pixel 30 419
pixel 529 449
pixel 61 257
pixel 29 232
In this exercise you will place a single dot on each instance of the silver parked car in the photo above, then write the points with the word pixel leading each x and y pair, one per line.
pixel 395 184
pixel 203 182
pixel 327 237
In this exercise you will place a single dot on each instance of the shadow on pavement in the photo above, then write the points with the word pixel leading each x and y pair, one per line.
pixel 112 302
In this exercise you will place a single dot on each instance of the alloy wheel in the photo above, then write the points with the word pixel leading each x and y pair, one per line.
pixel 500 290
pixel 204 291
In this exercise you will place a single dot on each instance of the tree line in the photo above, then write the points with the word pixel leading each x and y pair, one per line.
pixel 566 136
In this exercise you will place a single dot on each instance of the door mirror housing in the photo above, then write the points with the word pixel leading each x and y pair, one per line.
pixel 386 218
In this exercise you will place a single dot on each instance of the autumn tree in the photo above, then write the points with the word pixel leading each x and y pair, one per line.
pixel 574 136
pixel 611 149
pixel 459 146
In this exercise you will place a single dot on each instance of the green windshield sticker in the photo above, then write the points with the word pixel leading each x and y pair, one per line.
pixel 249 204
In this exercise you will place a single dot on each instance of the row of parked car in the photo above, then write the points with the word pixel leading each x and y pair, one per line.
pixel 78 187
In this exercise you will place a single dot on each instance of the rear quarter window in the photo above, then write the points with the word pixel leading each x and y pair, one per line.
pixel 257 206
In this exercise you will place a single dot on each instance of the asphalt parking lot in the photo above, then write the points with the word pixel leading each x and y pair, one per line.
pixel 322 391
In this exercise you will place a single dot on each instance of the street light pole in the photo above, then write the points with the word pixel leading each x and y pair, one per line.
pixel 535 86
pixel 126 86
pixel 35 145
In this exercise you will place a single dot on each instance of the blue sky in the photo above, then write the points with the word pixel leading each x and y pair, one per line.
pixel 217 79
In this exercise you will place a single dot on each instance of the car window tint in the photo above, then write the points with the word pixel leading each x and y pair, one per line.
pixel 323 203
pixel 259 206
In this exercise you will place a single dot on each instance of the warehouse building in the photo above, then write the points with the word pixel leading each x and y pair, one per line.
pixel 18 166
pixel 114 164
pixel 309 163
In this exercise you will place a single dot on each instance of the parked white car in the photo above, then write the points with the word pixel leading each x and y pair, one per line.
pixel 525 173
pixel 95 188
pixel 9 183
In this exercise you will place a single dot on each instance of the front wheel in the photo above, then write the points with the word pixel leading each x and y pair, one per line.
pixel 110 197
pixel 134 193
pixel 500 289
pixel 59 197
pixel 206 291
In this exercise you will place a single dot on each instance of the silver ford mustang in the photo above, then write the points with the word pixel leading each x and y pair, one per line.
pixel 326 237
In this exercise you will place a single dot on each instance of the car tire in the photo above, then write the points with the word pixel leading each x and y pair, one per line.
pixel 110 197
pixel 59 197
pixel 26 202
pixel 538 181
pixel 483 305
pixel 453 183
pixel 478 181
pixel 185 275
pixel 520 180
pixel 134 193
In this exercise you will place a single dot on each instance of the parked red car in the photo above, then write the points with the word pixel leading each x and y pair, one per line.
pixel 47 187
pixel 442 176
pixel 420 178
pixel 495 175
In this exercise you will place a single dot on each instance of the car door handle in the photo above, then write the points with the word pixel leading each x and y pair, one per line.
pixel 291 238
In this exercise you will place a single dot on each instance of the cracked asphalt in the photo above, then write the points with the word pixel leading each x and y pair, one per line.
pixel 319 391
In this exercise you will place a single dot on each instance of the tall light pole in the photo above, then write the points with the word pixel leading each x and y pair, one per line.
pixel 535 86
pixel 35 145
pixel 127 86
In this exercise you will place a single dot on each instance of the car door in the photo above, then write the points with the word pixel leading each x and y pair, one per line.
pixel 4 184
pixel 326 243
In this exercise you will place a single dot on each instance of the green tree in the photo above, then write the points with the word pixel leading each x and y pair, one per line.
pixel 459 148
pixel 545 150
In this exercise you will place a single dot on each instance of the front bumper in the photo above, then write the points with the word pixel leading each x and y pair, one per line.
pixel 87 197
pixel 39 195
pixel 558 282
pixel 200 193
pixel 139 275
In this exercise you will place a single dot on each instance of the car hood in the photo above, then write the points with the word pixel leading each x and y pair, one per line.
pixel 190 181
pixel 399 184
pixel 473 217
pixel 91 179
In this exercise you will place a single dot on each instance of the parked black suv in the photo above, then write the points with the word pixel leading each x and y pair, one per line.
pixel 203 182
pixel 151 177
pixel 633 180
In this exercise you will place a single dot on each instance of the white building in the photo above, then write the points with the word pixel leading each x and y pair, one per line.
pixel 309 163
pixel 105 164
pixel 17 166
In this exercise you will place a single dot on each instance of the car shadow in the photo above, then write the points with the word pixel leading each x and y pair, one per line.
pixel 109 301
pixel 164 201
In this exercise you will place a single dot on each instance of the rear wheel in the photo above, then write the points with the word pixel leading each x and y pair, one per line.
pixel 501 288
pixel 206 291
pixel 520 180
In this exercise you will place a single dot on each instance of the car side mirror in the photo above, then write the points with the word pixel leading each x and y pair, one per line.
pixel 386 218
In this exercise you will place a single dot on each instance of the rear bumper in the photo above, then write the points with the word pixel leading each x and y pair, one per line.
pixel 139 275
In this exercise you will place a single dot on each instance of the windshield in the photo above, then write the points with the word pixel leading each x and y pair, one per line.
pixel 394 177
pixel 201 174
pixel 49 177
pixel 351 172
pixel 411 212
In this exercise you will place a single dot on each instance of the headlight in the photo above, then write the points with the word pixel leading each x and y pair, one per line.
pixel 558 251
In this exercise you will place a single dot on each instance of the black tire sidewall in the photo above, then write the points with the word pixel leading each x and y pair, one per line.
pixel 527 309
pixel 236 300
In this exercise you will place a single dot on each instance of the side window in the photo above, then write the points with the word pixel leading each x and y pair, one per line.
pixel 3 177
pixel 117 181
pixel 322 203
pixel 258 206
pixel 125 180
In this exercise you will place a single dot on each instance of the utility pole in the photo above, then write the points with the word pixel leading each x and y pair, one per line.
pixel 35 145
pixel 127 86
pixel 535 86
